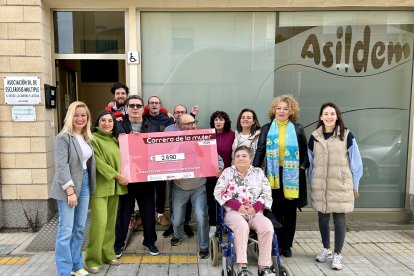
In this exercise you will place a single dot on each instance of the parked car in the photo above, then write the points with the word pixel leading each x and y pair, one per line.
pixel 380 153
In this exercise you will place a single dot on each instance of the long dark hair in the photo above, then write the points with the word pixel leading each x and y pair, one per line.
pixel 100 115
pixel 223 115
pixel 256 124
pixel 338 124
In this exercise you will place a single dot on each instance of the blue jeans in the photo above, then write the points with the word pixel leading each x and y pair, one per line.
pixel 199 201
pixel 68 250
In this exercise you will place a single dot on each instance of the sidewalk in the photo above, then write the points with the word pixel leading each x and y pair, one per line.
pixel 365 253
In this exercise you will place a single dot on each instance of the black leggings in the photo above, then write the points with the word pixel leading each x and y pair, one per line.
pixel 340 230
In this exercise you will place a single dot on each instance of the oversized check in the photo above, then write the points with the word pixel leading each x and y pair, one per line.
pixel 168 155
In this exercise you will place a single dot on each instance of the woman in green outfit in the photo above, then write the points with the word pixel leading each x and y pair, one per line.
pixel 110 183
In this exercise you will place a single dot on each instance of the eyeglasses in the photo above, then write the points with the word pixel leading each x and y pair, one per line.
pixel 179 112
pixel 154 103
pixel 190 123
pixel 137 106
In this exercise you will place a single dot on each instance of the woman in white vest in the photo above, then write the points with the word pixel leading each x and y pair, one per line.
pixel 335 170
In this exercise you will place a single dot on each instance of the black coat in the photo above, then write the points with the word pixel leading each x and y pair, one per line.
pixel 155 123
pixel 124 126
pixel 149 124
pixel 303 158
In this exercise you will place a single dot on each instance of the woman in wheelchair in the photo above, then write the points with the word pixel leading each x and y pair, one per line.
pixel 245 192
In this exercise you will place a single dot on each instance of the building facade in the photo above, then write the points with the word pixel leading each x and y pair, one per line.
pixel 221 55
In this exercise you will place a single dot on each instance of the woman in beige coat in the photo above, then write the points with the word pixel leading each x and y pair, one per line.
pixel 335 170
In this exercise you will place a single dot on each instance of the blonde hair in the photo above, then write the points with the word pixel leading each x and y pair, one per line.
pixel 292 104
pixel 68 126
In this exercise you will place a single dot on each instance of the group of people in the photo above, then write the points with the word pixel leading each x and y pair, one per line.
pixel 269 172
pixel 260 168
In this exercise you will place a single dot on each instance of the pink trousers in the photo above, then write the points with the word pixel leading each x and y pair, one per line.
pixel 240 225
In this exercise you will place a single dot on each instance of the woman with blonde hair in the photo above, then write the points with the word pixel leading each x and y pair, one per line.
pixel 72 184
pixel 282 145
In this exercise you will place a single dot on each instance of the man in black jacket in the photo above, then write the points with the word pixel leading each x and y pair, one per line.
pixel 143 193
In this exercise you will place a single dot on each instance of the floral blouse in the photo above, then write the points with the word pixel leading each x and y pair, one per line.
pixel 247 189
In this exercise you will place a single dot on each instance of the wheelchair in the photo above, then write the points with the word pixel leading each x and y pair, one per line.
pixel 223 243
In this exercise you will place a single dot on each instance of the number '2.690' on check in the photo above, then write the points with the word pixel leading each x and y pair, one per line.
pixel 168 157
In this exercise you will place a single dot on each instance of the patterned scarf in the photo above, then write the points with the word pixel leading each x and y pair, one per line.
pixel 290 162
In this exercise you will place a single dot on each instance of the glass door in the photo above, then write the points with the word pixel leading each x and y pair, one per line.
pixel 67 89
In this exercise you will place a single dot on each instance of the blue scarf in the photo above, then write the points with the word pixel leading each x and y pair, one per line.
pixel 290 162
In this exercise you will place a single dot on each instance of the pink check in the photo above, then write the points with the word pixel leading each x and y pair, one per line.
pixel 168 155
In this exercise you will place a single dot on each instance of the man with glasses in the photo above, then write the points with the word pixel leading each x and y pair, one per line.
pixel 155 121
pixel 179 110
pixel 143 193
pixel 120 92
pixel 195 190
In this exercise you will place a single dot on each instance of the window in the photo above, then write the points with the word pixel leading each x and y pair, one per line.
pixel 89 32
pixel 362 61
pixel 209 59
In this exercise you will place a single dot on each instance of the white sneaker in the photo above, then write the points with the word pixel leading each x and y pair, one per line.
pixel 80 272
pixel 325 254
pixel 212 231
pixel 337 261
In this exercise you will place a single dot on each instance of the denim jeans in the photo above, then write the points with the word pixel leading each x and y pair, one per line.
pixel 68 250
pixel 188 208
pixel 199 201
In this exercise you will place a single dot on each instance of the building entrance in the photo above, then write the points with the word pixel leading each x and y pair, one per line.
pixel 88 81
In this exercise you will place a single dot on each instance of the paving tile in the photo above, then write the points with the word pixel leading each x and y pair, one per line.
pixel 153 270
pixel 124 269
pixel 365 253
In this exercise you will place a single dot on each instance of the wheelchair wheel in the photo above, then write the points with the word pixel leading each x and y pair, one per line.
pixel 279 268
pixel 284 271
pixel 214 251
pixel 228 258
pixel 230 271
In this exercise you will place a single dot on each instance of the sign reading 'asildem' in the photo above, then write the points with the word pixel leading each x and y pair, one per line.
pixel 359 54
pixel 22 90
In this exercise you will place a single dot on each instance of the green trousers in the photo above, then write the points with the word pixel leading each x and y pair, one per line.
pixel 102 231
